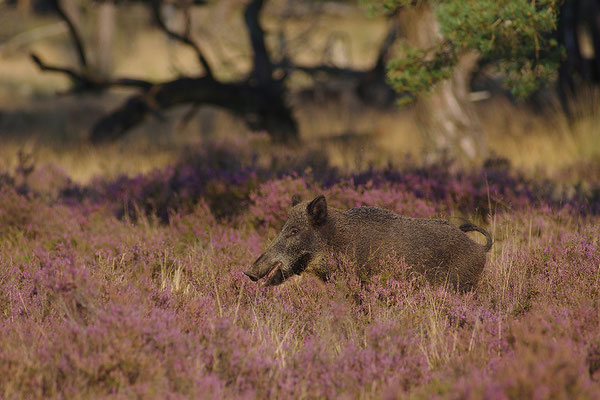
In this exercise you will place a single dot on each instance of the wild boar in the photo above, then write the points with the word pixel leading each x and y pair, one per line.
pixel 314 231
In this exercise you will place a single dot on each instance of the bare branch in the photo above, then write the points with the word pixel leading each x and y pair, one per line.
pixel 326 70
pixel 263 68
pixel 75 76
pixel 73 32
pixel 183 38
pixel 128 82
pixel 83 82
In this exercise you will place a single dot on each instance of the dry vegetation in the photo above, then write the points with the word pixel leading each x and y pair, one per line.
pixel 135 287
pixel 121 266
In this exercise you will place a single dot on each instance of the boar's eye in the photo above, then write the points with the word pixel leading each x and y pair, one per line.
pixel 293 232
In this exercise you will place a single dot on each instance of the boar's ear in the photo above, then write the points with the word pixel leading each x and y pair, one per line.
pixel 296 200
pixel 317 210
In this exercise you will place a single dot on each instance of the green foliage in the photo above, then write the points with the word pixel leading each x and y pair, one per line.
pixel 514 35
pixel 381 6
pixel 418 70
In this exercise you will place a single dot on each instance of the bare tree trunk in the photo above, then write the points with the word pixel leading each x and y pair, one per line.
pixel 446 115
pixel 105 37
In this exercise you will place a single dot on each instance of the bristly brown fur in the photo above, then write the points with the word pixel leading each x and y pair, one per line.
pixel 442 252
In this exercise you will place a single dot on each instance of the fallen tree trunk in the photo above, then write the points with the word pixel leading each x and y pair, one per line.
pixel 260 107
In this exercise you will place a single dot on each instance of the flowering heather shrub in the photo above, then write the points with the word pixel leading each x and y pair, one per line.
pixel 231 177
pixel 16 210
pixel 135 288
pixel 271 202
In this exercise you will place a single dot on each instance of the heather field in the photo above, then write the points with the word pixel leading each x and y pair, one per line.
pixel 134 288
pixel 122 260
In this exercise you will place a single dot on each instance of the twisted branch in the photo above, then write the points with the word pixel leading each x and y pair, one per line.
pixel 85 82
pixel 73 32
pixel 183 38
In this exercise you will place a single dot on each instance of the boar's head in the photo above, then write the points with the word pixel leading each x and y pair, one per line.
pixel 299 241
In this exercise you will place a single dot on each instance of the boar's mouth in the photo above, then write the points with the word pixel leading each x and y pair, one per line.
pixel 275 275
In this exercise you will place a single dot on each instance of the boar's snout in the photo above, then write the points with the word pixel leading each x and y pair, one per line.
pixel 254 272
pixel 265 266
pixel 250 275
pixel 258 269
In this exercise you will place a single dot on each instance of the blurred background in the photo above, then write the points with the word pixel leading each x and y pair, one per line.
pixel 110 88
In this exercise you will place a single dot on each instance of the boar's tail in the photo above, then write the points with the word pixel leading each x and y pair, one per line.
pixel 468 227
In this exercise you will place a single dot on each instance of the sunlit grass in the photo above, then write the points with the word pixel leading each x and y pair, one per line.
pixel 133 287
